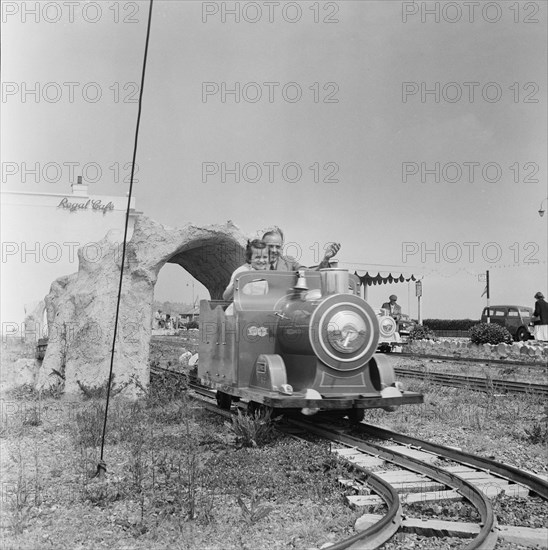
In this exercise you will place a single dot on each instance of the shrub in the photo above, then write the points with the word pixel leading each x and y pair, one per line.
pixel 166 387
pixel 88 429
pixel 489 333
pixel 450 324
pixel 420 332
pixel 251 430
pixel 538 433
pixel 192 324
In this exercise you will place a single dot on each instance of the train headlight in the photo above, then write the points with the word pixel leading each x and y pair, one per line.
pixel 387 326
pixel 346 331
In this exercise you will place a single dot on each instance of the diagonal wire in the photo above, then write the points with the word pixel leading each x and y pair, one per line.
pixel 101 467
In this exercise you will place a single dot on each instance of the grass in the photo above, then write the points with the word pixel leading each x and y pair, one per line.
pixel 475 421
pixel 177 477
pixel 493 371
pixel 251 430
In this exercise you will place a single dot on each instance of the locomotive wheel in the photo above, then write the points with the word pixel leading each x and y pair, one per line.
pixel 356 415
pixel 224 401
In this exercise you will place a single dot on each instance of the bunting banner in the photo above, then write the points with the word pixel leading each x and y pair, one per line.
pixel 371 279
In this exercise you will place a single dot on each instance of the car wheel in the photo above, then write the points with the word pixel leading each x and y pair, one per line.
pixel 522 335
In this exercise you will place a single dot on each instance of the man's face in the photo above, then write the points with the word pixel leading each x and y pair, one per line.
pixel 259 258
pixel 274 244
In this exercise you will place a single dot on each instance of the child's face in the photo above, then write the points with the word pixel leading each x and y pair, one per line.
pixel 259 258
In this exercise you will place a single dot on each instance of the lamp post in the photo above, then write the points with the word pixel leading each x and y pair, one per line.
pixel 193 301
pixel 541 209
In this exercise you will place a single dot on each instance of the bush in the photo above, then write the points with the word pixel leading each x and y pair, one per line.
pixel 88 430
pixel 252 430
pixel 420 332
pixel 192 324
pixel 489 333
pixel 450 324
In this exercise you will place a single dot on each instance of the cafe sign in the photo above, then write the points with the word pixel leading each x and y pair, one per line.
pixel 90 204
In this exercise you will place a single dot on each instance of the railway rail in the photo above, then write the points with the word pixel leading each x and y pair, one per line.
pixel 475 382
pixel 420 480
pixel 476 478
pixel 457 359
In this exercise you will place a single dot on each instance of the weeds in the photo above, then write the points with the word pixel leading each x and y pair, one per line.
pixel 89 425
pixel 25 494
pixel 251 430
pixel 166 387
pixel 55 390
pixel 32 415
pixel 538 433
pixel 100 392
pixel 256 511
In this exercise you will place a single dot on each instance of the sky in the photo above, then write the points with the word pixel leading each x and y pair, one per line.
pixel 413 134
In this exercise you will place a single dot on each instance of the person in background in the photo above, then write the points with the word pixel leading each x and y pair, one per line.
pixel 274 239
pixel 157 319
pixel 256 255
pixel 393 308
pixel 540 318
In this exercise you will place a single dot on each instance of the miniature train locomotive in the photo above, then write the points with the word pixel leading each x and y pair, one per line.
pixel 389 337
pixel 294 341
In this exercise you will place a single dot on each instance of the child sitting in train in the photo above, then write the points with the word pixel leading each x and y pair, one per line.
pixel 256 255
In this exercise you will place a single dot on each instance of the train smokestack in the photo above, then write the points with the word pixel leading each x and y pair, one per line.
pixel 334 281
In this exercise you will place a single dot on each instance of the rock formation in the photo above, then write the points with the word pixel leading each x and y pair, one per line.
pixel 81 307
pixel 34 322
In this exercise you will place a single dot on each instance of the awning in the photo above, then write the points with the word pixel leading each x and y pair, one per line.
pixel 383 278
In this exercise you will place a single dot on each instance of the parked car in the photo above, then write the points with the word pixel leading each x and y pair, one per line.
pixel 517 319
pixel 406 325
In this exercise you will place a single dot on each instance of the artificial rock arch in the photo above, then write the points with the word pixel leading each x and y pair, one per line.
pixel 81 307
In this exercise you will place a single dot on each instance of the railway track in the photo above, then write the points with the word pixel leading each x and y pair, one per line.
pixel 422 479
pixel 457 359
pixel 475 382
pixel 427 473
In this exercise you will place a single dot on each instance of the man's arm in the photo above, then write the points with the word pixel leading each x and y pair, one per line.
pixel 330 252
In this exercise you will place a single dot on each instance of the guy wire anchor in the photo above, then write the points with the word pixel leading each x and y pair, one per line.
pixel 101 469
